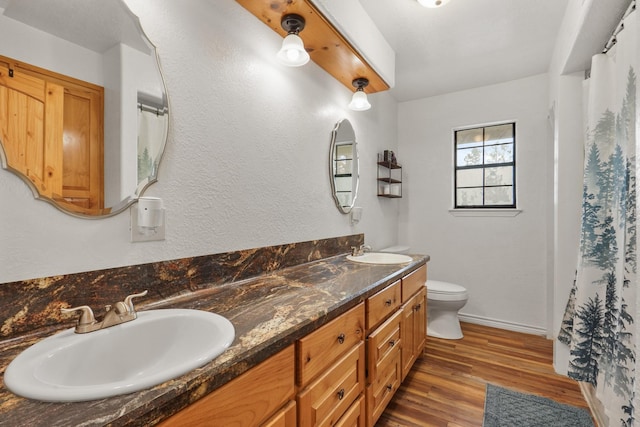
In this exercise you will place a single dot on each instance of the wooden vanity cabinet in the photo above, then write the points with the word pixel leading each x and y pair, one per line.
pixel 336 378
pixel 331 372
pixel 396 326
pixel 262 396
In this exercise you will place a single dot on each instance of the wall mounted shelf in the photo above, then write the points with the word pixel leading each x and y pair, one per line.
pixel 326 46
pixel 389 180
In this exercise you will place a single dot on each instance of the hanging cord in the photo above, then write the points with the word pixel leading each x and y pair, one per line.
pixel 613 40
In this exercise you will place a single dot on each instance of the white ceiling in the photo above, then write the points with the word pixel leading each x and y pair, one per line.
pixel 466 43
pixel 97 25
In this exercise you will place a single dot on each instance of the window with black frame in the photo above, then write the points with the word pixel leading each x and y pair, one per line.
pixel 485 167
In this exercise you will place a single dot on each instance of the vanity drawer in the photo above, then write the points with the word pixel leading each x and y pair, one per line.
pixel 326 399
pixel 321 348
pixel 382 344
pixel 413 282
pixel 382 304
pixel 356 416
pixel 382 388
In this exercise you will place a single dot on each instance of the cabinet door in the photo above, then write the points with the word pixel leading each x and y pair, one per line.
pixel 421 322
pixel 82 150
pixel 248 400
pixel 413 330
pixel 408 337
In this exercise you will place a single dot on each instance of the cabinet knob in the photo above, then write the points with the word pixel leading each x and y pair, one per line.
pixel 392 343
pixel 341 394
pixel 341 338
pixel 388 303
pixel 389 387
pixel 417 307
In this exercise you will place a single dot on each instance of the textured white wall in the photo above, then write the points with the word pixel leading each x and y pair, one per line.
pixel 246 163
pixel 502 261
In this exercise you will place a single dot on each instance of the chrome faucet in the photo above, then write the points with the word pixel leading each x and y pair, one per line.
pixel 120 312
pixel 358 251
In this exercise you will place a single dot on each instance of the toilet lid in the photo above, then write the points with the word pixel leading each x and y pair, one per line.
pixel 446 288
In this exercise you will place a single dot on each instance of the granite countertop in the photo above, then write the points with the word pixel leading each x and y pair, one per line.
pixel 269 313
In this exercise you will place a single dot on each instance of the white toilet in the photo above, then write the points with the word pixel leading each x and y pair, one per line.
pixel 443 302
pixel 444 299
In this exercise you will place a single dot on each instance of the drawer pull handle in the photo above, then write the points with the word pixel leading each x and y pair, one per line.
pixel 392 343
pixel 390 387
pixel 387 303
pixel 341 394
pixel 341 338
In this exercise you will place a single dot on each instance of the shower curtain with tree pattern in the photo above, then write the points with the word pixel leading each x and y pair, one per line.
pixel 600 325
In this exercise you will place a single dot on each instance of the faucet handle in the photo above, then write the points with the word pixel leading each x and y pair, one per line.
pixel 86 315
pixel 129 303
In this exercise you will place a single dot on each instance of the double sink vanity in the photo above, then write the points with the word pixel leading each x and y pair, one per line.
pixel 326 341
pixel 295 334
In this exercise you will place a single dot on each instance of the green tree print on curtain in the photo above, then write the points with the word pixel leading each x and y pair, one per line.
pixel 598 325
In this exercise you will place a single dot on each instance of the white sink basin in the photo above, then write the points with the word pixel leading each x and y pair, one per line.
pixel 380 258
pixel 157 346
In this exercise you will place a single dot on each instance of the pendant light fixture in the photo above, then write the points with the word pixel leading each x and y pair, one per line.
pixel 359 101
pixel 292 52
pixel 433 3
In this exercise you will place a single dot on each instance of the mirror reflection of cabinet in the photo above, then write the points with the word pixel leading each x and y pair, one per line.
pixel 52 133
pixel 343 165
pixel 79 41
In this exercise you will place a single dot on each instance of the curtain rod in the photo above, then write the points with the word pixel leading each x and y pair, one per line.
pixel 612 40
pixel 157 111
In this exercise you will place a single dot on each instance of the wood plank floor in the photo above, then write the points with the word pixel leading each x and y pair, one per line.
pixel 446 387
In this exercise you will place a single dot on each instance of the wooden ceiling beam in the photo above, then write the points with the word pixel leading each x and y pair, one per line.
pixel 326 46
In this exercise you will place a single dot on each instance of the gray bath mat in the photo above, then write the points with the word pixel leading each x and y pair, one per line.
pixel 507 408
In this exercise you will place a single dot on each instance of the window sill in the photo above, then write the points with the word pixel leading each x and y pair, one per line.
pixel 485 212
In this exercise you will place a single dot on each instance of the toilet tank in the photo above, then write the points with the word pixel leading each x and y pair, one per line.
pixel 398 249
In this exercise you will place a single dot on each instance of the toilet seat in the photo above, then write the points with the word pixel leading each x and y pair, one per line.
pixel 445 291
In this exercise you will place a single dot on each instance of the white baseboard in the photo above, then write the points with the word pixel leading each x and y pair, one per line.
pixel 502 324
pixel 597 410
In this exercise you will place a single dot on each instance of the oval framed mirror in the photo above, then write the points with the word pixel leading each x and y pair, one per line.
pixel 86 104
pixel 343 166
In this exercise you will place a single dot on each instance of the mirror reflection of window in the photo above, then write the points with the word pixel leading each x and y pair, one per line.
pixel 344 166
pixel 152 131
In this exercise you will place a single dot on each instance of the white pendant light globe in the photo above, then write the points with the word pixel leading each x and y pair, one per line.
pixel 359 101
pixel 433 3
pixel 292 52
